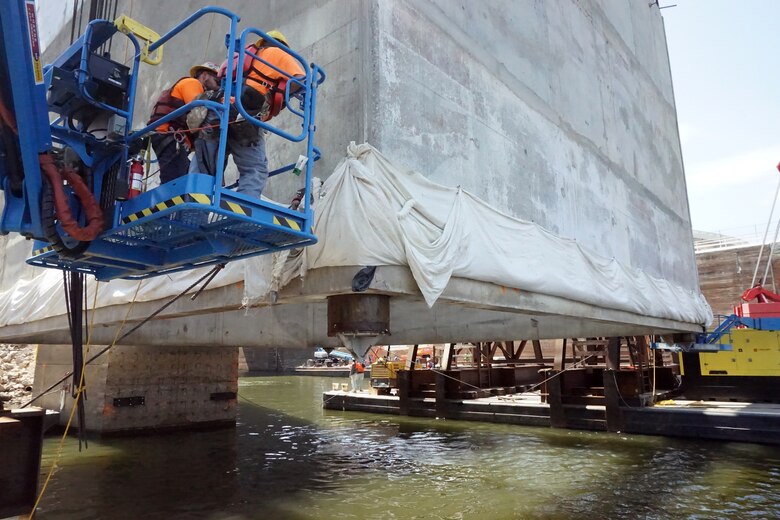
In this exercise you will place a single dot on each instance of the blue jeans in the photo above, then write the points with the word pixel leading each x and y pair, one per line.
pixel 248 154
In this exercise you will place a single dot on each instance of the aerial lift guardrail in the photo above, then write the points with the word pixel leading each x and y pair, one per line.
pixel 186 223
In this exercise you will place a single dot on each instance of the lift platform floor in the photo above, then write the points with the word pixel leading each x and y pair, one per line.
pixel 716 420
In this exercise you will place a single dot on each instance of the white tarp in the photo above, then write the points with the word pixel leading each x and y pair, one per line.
pixel 31 293
pixel 371 212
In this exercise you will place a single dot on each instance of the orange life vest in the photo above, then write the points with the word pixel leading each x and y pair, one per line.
pixel 167 104
pixel 274 87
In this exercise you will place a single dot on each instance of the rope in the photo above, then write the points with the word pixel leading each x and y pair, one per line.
pixel 617 389
pixel 79 392
pixel 208 39
pixel 573 366
pixel 117 338
pixel 59 451
pixel 127 40
pixel 248 400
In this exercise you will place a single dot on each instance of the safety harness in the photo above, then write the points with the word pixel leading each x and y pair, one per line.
pixel 276 87
pixel 167 104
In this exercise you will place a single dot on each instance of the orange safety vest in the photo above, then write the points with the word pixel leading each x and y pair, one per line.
pixel 167 104
pixel 274 87
pixel 359 368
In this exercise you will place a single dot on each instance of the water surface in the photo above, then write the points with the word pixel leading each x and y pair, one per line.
pixel 288 458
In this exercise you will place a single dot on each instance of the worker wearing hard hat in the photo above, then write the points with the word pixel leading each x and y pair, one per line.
pixel 262 95
pixel 171 142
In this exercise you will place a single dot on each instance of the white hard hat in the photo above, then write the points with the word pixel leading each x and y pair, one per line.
pixel 207 66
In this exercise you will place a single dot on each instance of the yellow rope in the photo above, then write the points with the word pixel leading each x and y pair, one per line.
pixel 127 40
pixel 80 390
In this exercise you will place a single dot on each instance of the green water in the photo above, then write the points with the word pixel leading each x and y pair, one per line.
pixel 290 459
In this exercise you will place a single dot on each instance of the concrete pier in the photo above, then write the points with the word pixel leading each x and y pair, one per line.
pixel 140 388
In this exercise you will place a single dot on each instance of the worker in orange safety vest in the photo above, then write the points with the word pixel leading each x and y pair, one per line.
pixel 262 95
pixel 171 142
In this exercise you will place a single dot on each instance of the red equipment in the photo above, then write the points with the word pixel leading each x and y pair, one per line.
pixel 136 180
pixel 766 304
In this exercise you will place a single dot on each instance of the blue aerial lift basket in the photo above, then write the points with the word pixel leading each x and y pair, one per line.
pixel 189 222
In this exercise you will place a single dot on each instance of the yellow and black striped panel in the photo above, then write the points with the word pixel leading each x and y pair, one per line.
pixel 175 201
pixel 287 222
pixel 46 249
pixel 235 208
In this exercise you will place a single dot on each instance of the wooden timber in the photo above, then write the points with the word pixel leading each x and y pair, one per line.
pixel 724 275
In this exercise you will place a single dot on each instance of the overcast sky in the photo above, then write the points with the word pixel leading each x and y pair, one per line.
pixel 724 57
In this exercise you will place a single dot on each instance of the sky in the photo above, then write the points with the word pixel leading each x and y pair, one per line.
pixel 725 59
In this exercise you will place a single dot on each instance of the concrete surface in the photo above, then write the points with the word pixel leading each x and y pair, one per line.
pixel 557 112
pixel 177 385
pixel 467 311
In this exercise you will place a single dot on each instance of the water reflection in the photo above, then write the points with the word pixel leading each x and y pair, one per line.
pixel 287 458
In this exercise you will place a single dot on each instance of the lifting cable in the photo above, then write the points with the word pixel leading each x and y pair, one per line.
pixel 73 283
pixel 530 388
pixel 763 241
pixel 210 276
pixel 77 401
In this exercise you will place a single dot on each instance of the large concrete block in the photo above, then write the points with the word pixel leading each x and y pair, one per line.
pixel 561 113
pixel 557 112
pixel 152 387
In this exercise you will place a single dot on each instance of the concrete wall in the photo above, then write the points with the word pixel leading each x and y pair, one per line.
pixel 178 385
pixel 557 112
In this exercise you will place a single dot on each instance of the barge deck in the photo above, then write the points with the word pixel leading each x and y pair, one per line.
pixel 716 420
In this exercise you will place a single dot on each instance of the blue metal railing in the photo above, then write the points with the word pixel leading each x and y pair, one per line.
pixel 86 50
pixel 314 76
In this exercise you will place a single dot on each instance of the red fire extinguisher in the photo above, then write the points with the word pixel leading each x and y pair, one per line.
pixel 135 182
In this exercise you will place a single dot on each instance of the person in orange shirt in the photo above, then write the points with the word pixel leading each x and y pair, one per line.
pixel 172 153
pixel 262 95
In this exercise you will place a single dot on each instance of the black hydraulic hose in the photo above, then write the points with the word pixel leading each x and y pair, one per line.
pixel 75 247
pixel 75 294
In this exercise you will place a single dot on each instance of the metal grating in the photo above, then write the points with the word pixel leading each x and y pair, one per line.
pixel 211 235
